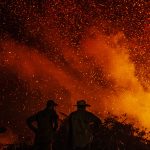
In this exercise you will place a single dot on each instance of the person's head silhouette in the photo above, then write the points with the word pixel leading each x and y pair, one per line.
pixel 51 104
pixel 81 105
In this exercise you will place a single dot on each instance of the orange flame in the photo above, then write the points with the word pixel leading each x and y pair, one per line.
pixel 123 94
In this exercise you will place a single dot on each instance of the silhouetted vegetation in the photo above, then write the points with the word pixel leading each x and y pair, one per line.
pixel 119 135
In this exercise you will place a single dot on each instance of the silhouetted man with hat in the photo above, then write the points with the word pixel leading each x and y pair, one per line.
pixel 81 123
pixel 47 123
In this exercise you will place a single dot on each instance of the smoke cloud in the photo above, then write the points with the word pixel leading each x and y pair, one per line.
pixel 74 50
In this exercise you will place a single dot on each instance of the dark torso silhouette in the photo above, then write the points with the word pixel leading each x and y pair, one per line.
pixel 81 124
pixel 46 125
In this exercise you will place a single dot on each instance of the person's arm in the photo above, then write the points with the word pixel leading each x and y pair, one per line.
pixel 30 121
pixel 96 121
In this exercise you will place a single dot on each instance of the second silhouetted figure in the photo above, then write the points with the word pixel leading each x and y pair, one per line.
pixel 47 123
pixel 81 125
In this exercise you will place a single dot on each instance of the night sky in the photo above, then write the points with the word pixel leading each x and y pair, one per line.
pixel 66 50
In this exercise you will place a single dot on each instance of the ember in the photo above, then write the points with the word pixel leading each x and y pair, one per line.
pixel 69 50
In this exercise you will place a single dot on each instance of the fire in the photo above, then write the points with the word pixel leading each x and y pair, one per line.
pixel 108 58
pixel 114 59
pixel 65 51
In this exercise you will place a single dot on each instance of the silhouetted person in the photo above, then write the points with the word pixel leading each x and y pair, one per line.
pixel 46 125
pixel 81 125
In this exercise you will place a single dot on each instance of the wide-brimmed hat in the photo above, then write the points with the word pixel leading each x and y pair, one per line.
pixel 51 103
pixel 82 103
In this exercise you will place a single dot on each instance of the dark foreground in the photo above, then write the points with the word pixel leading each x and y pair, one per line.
pixel 112 135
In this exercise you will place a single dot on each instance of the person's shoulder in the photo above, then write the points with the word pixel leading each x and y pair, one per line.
pixel 72 113
pixel 40 113
pixel 94 117
pixel 91 114
pixel 33 117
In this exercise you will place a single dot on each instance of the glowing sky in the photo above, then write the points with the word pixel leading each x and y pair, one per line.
pixel 68 50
